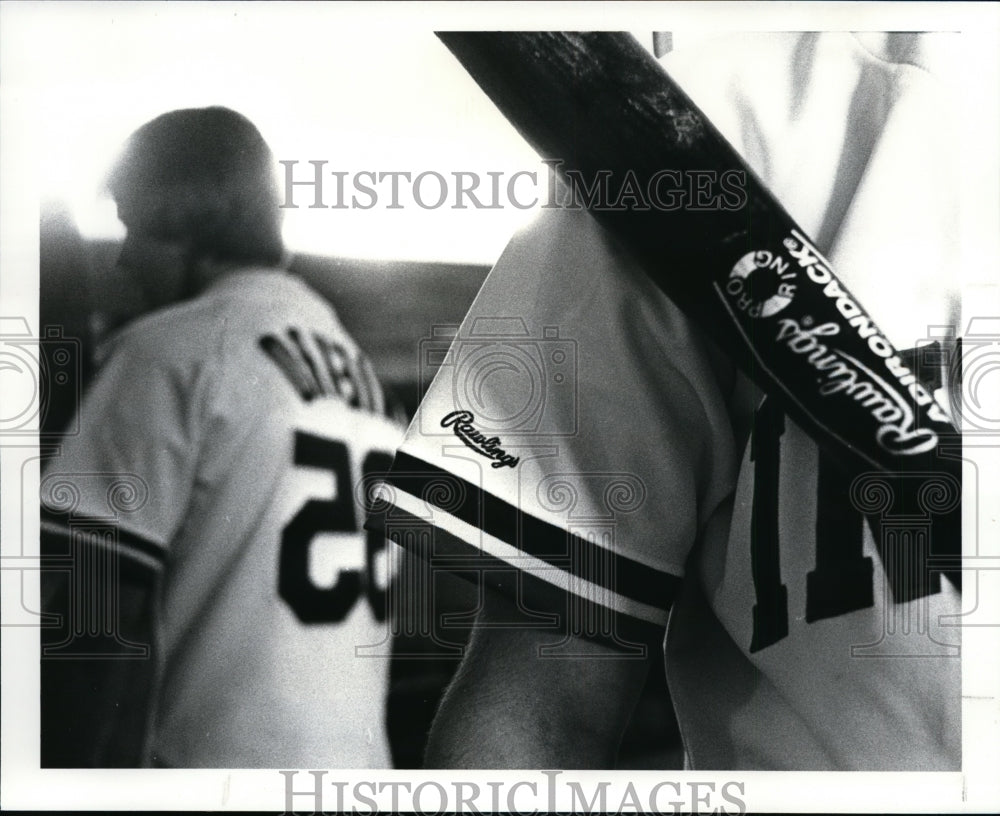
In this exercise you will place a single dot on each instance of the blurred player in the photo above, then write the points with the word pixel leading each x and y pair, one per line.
pixel 222 445
pixel 607 465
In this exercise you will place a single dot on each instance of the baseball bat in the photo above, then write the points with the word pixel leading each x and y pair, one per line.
pixel 603 109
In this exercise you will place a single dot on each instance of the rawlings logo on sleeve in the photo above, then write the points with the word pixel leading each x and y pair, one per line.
pixel 461 424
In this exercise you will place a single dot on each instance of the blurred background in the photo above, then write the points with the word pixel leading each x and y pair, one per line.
pixel 323 84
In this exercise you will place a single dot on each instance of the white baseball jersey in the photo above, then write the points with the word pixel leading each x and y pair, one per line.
pixel 244 422
pixel 591 452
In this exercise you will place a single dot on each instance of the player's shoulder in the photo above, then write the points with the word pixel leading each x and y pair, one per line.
pixel 217 339
pixel 160 337
pixel 247 303
pixel 252 298
pixel 571 281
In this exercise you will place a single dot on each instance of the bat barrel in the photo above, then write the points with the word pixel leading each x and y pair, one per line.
pixel 655 171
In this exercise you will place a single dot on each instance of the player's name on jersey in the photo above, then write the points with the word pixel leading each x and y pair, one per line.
pixel 461 423
pixel 316 366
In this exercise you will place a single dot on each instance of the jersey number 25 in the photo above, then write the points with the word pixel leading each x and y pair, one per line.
pixel 310 603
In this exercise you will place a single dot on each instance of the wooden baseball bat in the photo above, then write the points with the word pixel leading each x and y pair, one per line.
pixel 727 253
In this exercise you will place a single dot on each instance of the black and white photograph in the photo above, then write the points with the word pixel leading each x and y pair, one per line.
pixel 500 407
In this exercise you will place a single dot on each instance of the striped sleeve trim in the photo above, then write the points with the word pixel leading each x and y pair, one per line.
pixel 609 619
pixel 547 552
pixel 142 551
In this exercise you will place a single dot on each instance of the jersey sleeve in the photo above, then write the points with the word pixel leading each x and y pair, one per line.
pixel 574 439
pixel 130 468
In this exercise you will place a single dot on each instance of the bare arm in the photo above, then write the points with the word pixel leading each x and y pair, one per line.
pixel 510 708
